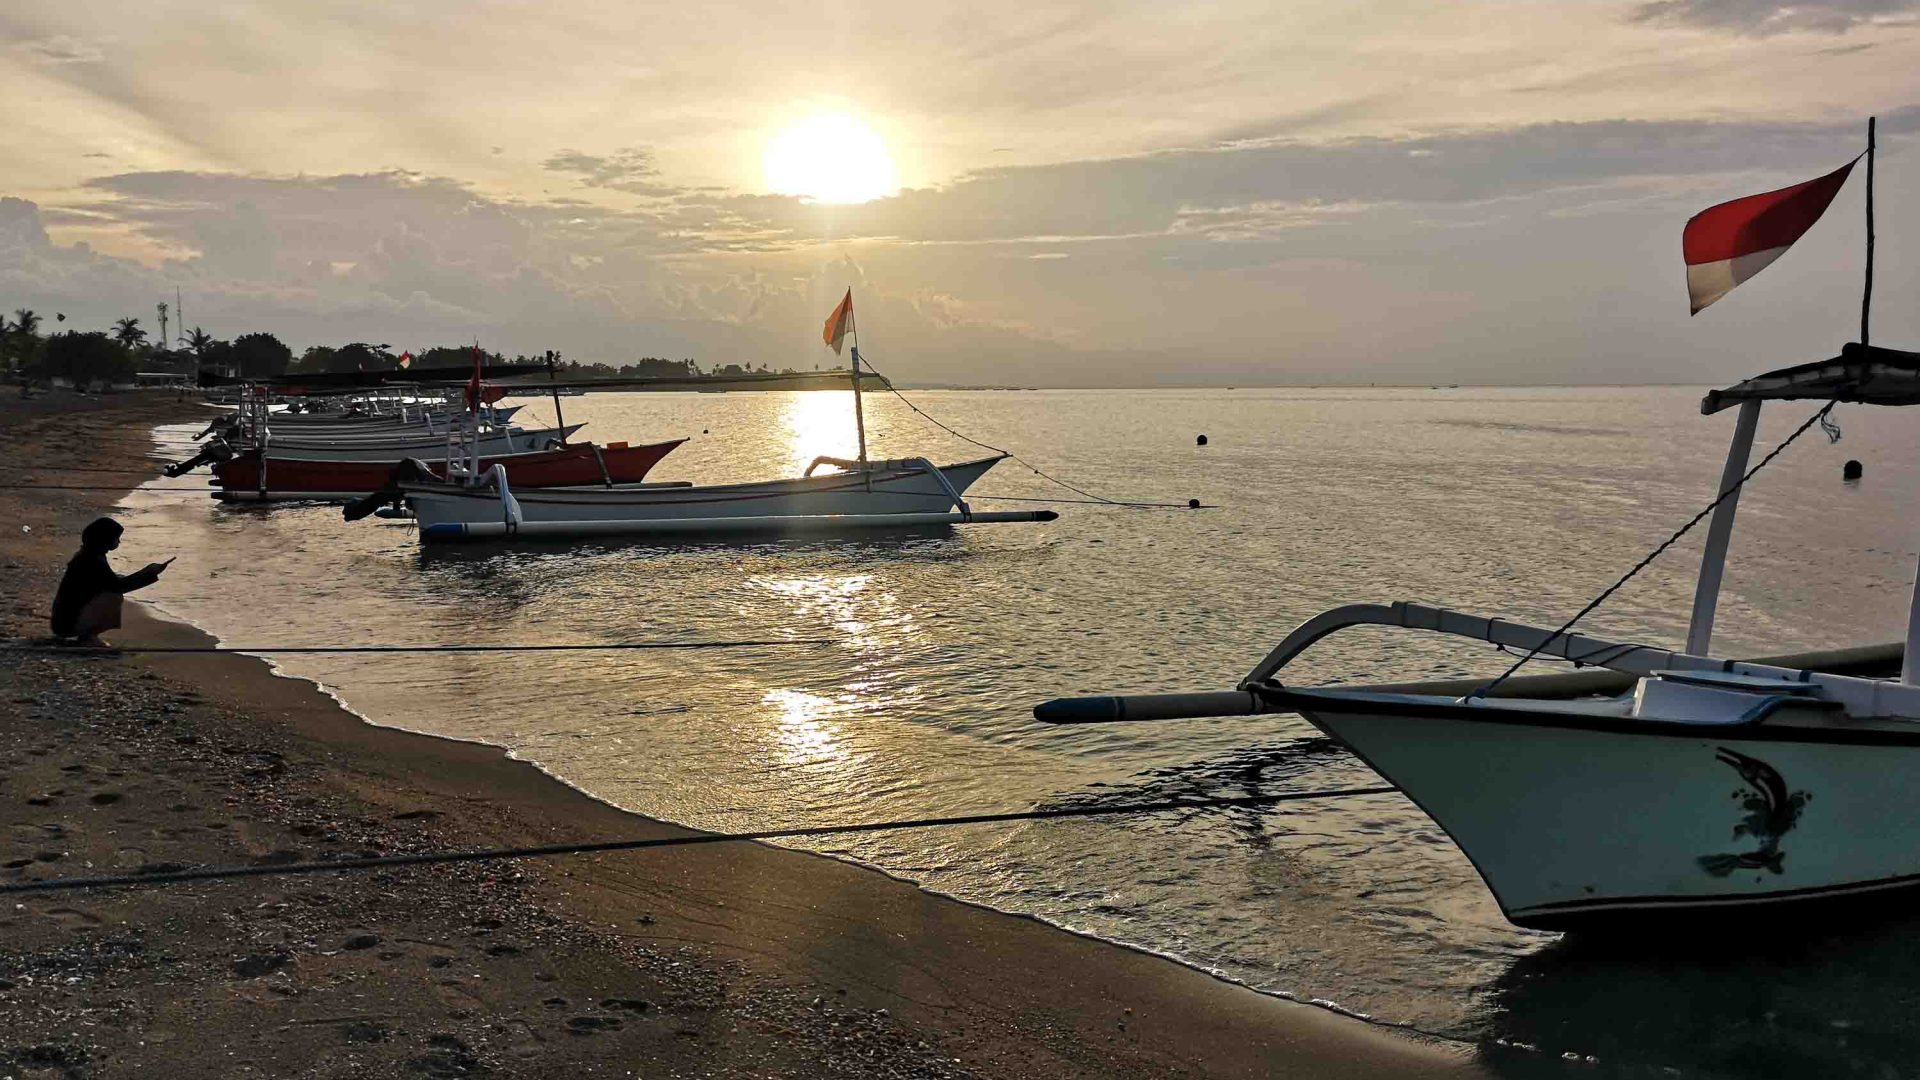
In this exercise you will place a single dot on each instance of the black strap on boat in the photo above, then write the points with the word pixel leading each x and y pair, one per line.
pixel 441 858
pixel 605 476
pixel 1655 553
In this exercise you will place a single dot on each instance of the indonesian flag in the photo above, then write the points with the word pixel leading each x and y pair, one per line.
pixel 473 384
pixel 406 360
pixel 1727 244
pixel 838 322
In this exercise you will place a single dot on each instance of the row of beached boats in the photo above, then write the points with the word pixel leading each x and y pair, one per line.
pixel 465 471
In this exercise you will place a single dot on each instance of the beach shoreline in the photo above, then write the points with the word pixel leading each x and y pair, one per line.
pixel 732 959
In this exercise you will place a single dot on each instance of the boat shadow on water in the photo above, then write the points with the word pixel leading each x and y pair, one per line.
pixel 1811 997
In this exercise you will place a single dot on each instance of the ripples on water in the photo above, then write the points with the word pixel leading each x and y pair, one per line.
pixel 1522 503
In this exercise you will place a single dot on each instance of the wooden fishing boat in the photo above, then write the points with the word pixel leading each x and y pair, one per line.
pixel 864 495
pixel 885 494
pixel 244 479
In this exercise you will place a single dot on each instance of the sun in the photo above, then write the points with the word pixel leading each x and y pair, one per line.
pixel 832 158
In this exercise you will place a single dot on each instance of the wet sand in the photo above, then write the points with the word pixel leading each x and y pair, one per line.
pixel 720 960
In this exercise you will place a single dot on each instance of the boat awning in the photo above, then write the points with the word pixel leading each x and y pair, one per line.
pixel 1867 374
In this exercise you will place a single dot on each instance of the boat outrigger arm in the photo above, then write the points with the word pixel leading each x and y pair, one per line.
pixel 866 466
pixel 1261 692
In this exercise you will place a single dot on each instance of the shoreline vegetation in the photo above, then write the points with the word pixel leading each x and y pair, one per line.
pixel 722 960
pixel 70 357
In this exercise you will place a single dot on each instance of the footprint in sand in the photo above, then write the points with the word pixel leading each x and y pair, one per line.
pixel 587 1025
pixel 73 917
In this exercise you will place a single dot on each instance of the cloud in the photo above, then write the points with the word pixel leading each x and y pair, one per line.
pixel 62 49
pixel 1271 254
pixel 1766 17
pixel 631 170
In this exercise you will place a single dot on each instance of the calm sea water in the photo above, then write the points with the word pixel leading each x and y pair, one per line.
pixel 1517 502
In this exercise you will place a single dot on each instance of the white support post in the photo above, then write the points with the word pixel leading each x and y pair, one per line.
pixel 1909 667
pixel 1706 593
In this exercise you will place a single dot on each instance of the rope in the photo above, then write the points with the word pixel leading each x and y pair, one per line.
pixel 1097 499
pixel 216 873
pixel 95 469
pixel 1656 552
pixel 122 489
pixel 616 646
pixel 1088 502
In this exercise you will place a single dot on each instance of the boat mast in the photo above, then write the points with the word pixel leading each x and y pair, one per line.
pixel 559 418
pixel 859 417
pixel 1866 292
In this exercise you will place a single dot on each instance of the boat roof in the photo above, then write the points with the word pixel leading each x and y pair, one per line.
pixel 1868 374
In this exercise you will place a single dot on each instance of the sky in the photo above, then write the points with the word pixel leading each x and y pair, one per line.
pixel 1315 191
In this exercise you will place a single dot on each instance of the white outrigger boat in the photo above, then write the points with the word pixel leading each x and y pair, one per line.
pixel 1708 786
pixel 1704 785
pixel 865 495
pixel 870 495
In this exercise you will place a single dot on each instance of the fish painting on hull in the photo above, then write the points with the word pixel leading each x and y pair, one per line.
pixel 1771 814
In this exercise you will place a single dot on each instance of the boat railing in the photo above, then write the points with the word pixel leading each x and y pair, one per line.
pixel 1861 696
pixel 509 506
pixel 895 464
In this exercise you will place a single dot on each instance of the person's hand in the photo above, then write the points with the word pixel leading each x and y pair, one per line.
pixel 156 569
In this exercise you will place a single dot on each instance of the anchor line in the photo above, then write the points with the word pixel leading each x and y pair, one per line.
pixel 375 862
pixel 1099 499
pixel 1656 552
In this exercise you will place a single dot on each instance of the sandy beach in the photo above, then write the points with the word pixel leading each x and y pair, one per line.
pixel 722 960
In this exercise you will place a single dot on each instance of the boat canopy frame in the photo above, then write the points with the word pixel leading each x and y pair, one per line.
pixel 1861 374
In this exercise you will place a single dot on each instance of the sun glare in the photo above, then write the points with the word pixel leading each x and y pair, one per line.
pixel 831 158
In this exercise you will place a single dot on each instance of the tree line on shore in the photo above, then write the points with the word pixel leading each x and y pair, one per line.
pixel 88 357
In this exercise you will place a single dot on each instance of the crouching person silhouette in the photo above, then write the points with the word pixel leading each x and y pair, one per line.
pixel 88 603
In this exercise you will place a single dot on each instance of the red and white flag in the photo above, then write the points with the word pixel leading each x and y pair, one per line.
pixel 1727 244
pixel 838 322
pixel 406 360
pixel 473 384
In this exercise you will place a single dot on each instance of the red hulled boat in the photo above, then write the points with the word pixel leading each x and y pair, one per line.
pixel 581 465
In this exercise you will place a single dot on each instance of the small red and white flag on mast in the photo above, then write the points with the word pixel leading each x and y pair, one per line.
pixel 473 384
pixel 838 323
pixel 1725 245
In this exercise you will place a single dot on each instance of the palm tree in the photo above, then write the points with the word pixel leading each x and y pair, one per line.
pixel 199 340
pixel 127 332
pixel 26 323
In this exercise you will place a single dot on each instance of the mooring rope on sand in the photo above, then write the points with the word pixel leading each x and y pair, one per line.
pixel 610 646
pixel 377 862
pixel 122 489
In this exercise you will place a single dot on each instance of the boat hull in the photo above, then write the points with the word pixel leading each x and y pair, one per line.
pixel 850 496
pixel 241 479
pixel 1582 823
